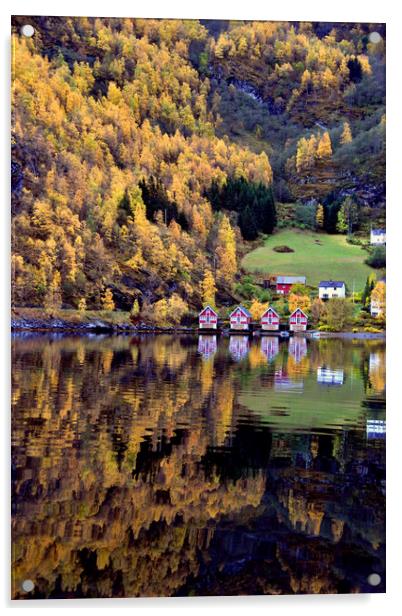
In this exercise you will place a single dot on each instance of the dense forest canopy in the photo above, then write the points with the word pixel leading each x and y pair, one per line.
pixel 146 152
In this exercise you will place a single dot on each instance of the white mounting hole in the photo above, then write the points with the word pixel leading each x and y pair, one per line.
pixel 375 37
pixel 28 585
pixel 27 30
pixel 374 579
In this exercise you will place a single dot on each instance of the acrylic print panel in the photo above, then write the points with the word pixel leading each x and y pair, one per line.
pixel 160 167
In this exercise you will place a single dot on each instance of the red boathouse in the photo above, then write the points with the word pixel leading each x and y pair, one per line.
pixel 270 320
pixel 208 318
pixel 298 321
pixel 240 318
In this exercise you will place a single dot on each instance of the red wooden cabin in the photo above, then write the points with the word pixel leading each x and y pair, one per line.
pixel 285 283
pixel 208 318
pixel 270 320
pixel 298 321
pixel 240 318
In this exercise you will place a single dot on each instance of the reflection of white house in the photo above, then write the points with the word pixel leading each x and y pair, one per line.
pixel 297 348
pixel 327 376
pixel 207 346
pixel 374 361
pixel 208 318
pixel 377 236
pixel 283 382
pixel 238 347
pixel 376 428
pixel 331 288
pixel 270 346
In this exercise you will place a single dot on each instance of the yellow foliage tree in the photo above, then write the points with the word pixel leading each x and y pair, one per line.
pixel 166 312
pixel 135 310
pixel 319 217
pixel 137 260
pixel 299 301
pixel 82 305
pixel 346 136
pixel 257 309
pixel 107 300
pixel 208 289
pixel 317 310
pixel 324 148
pixel 177 308
pixel 378 297
pixel 226 251
pixel 53 293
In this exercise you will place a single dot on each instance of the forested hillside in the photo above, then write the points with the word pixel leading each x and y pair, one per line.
pixel 145 153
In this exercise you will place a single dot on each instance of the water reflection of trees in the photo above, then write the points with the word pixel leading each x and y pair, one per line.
pixel 128 456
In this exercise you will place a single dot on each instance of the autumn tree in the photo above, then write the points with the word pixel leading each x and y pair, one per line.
pixel 107 300
pixel 317 310
pixel 135 310
pixel 299 301
pixel 53 298
pixel 368 287
pixel 348 216
pixel 346 136
pixel 319 216
pixel 257 309
pixel 208 289
pixel 324 148
pixel 82 305
pixel 378 297
pixel 339 313
pixel 306 153
pixel 166 312
pixel 226 251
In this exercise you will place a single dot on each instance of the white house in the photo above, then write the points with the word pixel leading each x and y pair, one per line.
pixel 377 236
pixel 331 288
pixel 375 308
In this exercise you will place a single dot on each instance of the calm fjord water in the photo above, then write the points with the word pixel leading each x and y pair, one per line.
pixel 165 466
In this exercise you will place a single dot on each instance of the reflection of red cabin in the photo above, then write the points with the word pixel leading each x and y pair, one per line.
pixel 207 345
pixel 298 321
pixel 238 347
pixel 240 318
pixel 208 318
pixel 270 346
pixel 298 348
pixel 270 320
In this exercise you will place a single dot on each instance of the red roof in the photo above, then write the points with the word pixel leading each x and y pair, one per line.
pixel 298 310
pixel 205 309
pixel 270 309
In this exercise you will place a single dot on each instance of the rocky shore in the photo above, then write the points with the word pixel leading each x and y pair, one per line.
pixel 92 326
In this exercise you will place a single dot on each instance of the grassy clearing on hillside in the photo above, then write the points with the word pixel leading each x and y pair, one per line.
pixel 316 255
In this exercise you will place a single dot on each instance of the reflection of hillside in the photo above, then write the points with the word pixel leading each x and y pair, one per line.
pixel 310 525
pixel 103 473
pixel 139 470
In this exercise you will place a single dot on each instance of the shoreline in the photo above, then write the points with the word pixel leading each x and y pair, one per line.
pixel 101 326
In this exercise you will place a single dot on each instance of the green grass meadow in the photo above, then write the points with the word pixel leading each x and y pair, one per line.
pixel 316 255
